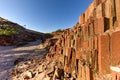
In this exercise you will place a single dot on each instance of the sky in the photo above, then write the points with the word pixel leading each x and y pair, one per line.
pixel 43 15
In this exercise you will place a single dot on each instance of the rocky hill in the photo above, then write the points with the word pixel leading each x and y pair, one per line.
pixel 14 34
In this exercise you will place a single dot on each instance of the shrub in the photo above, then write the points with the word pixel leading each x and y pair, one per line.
pixel 58 31
pixel 7 30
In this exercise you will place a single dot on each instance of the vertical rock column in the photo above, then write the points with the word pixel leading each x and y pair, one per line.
pixel 104 54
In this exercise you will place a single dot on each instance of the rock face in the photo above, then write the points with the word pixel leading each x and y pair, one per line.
pixel 87 50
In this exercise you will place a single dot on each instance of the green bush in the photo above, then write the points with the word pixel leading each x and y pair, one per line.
pixel 8 30
pixel 58 31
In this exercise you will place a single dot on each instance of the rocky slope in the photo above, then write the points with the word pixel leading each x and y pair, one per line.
pixel 88 51
pixel 13 34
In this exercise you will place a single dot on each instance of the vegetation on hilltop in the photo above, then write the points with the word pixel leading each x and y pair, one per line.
pixel 58 31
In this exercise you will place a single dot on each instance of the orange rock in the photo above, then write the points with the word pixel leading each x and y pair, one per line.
pixel 115 48
pixel 104 54
pixel 82 19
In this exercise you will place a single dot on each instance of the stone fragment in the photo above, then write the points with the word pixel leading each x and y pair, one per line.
pixel 58 74
pixel 27 75
pixel 115 72
pixel 47 78
pixel 41 46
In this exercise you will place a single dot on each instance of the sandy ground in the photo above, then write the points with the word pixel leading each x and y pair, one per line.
pixel 9 54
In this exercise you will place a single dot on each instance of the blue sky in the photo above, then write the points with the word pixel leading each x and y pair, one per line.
pixel 43 15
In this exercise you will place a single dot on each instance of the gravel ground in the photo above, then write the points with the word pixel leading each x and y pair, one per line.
pixel 10 53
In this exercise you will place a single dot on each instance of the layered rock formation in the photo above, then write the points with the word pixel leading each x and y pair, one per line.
pixel 91 47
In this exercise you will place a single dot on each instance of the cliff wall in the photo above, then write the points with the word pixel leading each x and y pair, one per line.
pixel 90 49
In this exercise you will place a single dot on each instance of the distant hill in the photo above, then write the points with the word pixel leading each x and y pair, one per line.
pixel 14 34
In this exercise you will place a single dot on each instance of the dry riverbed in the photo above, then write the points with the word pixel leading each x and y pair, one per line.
pixel 9 54
pixel 29 63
